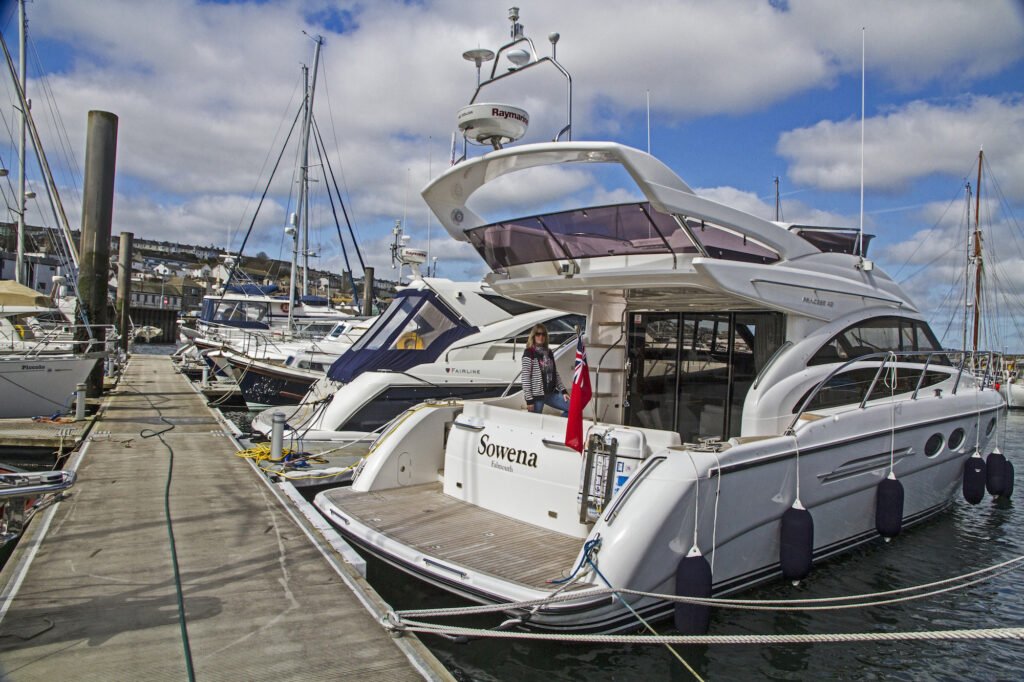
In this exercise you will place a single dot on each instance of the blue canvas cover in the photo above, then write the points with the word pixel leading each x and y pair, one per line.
pixel 253 289
pixel 416 328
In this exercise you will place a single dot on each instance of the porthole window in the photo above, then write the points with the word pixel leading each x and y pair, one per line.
pixel 956 439
pixel 990 428
pixel 933 445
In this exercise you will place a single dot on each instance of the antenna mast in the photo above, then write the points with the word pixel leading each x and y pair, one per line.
pixel 778 203
pixel 860 231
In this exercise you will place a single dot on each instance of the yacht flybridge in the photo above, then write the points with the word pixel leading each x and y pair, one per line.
pixel 745 373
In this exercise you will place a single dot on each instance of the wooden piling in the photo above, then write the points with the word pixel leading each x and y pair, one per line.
pixel 124 289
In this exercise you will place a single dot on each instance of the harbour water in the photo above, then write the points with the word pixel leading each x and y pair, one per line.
pixel 963 539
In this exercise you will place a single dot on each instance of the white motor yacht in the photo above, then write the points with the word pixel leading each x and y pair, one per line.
pixel 745 373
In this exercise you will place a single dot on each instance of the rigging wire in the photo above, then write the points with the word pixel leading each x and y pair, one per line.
pixel 60 133
pixel 337 146
pixel 337 191
pixel 266 190
pixel 337 224
pixel 925 238
pixel 266 159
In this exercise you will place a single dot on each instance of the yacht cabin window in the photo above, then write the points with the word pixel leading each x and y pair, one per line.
pixel 234 311
pixel 509 305
pixel 851 386
pixel 390 320
pixel 878 335
pixel 420 330
pixel 410 323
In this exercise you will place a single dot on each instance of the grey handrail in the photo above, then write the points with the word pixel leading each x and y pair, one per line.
pixel 33 484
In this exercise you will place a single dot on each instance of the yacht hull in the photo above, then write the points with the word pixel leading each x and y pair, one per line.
pixel 264 385
pixel 1013 391
pixel 41 385
pixel 736 503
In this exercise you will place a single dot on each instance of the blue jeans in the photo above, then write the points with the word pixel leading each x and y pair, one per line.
pixel 555 400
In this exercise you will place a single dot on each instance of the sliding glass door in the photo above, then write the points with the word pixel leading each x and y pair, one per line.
pixel 690 372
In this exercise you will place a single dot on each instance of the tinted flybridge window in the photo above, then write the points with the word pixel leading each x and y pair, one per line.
pixel 835 239
pixel 618 230
pixel 878 335
pixel 729 245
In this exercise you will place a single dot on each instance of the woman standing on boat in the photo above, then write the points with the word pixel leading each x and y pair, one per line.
pixel 541 383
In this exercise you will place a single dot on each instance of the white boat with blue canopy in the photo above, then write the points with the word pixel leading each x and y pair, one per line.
pixel 438 340
pixel 764 397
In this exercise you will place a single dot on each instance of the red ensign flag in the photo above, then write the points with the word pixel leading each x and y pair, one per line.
pixel 578 399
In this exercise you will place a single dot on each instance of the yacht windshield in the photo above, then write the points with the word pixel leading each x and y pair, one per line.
pixel 618 230
pixel 235 313
pixel 414 329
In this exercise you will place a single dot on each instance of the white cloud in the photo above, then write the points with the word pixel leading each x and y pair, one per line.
pixel 202 90
pixel 792 211
pixel 911 142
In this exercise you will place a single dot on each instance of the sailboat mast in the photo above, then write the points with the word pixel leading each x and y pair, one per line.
pixel 19 259
pixel 299 214
pixel 967 264
pixel 304 185
pixel 979 264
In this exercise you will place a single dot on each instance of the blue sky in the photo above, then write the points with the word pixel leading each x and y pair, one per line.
pixel 741 91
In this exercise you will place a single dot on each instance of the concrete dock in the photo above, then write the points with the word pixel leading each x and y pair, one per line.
pixel 91 592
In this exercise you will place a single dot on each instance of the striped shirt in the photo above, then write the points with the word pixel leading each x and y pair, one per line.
pixel 533 373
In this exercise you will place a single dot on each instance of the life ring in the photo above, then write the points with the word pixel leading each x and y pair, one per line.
pixel 21 331
pixel 284 307
pixel 409 341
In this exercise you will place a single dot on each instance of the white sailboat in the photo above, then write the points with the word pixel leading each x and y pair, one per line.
pixel 38 370
pixel 253 320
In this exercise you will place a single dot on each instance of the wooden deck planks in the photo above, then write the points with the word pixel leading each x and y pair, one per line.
pixel 99 602
pixel 440 526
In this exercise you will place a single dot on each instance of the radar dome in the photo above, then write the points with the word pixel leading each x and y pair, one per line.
pixel 492 123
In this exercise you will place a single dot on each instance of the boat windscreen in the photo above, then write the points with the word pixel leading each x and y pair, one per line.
pixel 235 313
pixel 618 230
pixel 416 328
pixel 581 233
